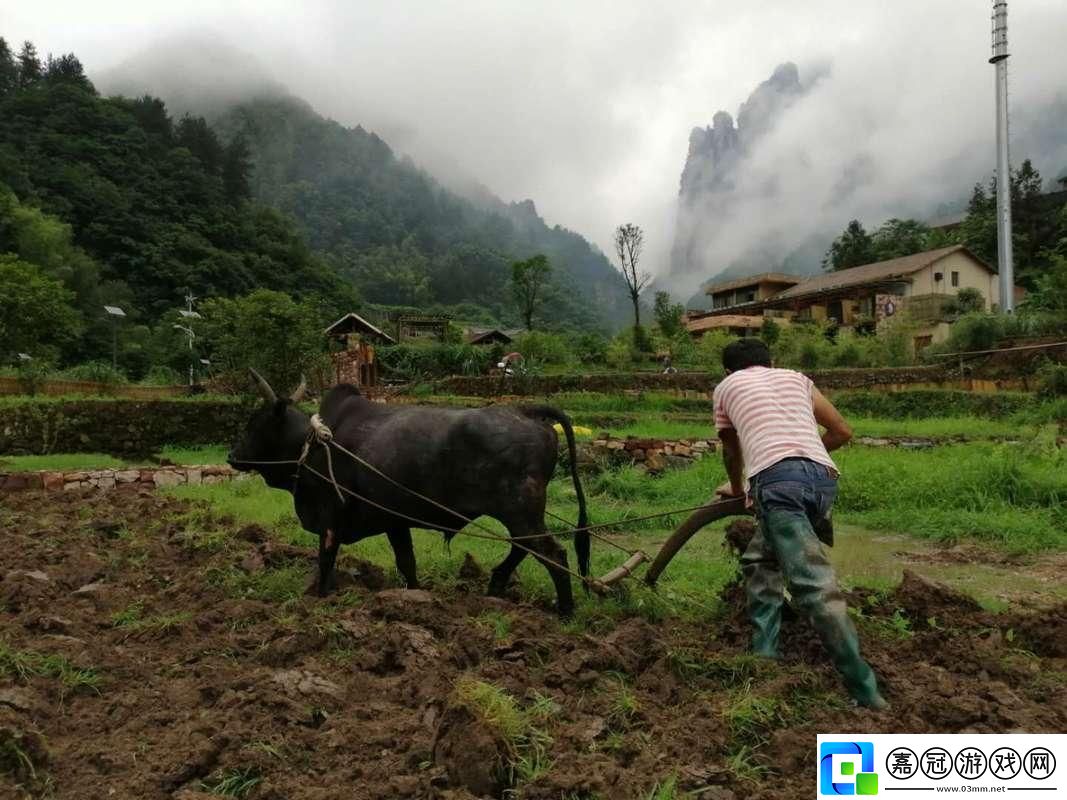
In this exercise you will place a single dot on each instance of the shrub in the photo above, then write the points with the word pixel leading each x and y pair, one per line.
pixel 641 340
pixel 590 348
pixel 770 331
pixel 162 375
pixel 548 348
pixel 709 350
pixel 417 361
pixel 1053 380
pixel 96 371
pixel 976 331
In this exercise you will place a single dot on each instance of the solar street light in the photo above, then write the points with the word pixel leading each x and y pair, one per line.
pixel 115 313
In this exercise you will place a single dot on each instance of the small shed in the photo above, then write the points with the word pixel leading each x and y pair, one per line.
pixel 489 337
pixel 355 362
pixel 352 323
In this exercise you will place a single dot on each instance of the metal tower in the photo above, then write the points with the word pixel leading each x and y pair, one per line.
pixel 1004 253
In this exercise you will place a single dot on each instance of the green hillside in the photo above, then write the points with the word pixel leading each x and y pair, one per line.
pixel 401 237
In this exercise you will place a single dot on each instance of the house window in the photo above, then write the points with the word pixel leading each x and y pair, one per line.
pixel 955 279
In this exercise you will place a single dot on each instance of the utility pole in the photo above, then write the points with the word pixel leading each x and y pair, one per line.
pixel 116 314
pixel 1005 266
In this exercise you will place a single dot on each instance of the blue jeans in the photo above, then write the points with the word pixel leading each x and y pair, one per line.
pixel 792 498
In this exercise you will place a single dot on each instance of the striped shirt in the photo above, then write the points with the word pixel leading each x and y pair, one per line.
pixel 771 409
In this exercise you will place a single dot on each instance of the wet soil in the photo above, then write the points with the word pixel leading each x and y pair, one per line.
pixel 198 687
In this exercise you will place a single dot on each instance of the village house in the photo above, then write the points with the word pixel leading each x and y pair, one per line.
pixel 867 297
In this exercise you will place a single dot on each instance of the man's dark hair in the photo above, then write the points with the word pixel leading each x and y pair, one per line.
pixel 746 353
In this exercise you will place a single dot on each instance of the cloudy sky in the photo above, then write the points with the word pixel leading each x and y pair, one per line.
pixel 586 107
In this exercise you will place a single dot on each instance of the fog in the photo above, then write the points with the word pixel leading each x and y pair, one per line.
pixel 587 107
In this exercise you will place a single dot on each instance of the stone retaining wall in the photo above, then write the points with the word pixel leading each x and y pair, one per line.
pixel 110 478
pixel 698 382
pixel 655 455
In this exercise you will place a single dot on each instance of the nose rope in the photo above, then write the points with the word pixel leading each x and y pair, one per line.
pixel 320 432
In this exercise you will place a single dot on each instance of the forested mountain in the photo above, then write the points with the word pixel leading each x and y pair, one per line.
pixel 399 235
pixel 160 204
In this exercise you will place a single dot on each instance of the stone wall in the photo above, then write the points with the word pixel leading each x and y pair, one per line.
pixel 654 455
pixel 118 427
pixel 110 478
pixel 683 382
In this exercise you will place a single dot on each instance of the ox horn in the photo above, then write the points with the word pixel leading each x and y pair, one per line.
pixel 300 391
pixel 263 387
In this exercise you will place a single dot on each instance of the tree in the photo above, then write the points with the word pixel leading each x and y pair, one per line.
pixel 235 170
pixel 529 280
pixel 9 71
pixel 35 310
pixel 67 69
pixel 851 249
pixel 668 315
pixel 899 237
pixel 29 65
pixel 770 331
pixel 629 242
pixel 267 330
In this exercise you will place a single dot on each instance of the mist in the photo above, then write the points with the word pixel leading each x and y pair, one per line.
pixel 587 108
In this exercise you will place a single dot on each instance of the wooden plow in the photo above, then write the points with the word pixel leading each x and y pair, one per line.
pixel 732 507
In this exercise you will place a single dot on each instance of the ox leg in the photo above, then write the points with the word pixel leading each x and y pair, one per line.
pixel 404 553
pixel 548 551
pixel 329 544
pixel 501 574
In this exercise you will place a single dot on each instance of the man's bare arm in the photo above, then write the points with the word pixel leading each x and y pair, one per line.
pixel 734 463
pixel 838 432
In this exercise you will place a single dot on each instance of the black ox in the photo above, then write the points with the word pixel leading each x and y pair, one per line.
pixel 493 462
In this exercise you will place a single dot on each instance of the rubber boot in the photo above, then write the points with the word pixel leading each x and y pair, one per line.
pixel 764 589
pixel 815 593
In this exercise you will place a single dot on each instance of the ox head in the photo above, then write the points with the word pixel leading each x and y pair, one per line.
pixel 275 432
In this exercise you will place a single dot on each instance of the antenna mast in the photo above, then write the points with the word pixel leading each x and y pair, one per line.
pixel 1004 251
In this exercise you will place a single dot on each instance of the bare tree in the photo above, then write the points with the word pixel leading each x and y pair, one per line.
pixel 629 241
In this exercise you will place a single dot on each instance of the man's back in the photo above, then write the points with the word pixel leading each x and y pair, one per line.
pixel 772 412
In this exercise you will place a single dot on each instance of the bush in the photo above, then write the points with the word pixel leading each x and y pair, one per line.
pixel 547 348
pixel 95 371
pixel 1053 380
pixel 162 375
pixel 590 348
pixel 976 331
pixel 419 361
pixel 770 331
pixel 709 350
pixel 641 340
pixel 621 353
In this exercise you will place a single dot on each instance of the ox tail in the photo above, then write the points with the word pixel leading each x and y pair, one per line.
pixel 581 536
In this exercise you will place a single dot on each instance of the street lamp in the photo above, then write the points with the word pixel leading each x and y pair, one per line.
pixel 115 313
pixel 192 335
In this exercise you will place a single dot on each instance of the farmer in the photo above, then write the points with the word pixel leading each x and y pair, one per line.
pixel 766 420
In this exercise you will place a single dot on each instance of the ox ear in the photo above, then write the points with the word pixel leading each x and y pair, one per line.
pixel 300 391
pixel 262 386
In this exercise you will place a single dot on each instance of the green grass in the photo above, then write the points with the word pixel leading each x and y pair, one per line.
pixel 237 783
pixel 65 462
pixel 22 665
pixel 68 462
pixel 204 454
pixel 526 744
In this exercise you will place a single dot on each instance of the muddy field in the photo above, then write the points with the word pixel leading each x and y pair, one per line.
pixel 144 653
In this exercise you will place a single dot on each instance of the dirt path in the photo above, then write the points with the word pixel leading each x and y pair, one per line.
pixel 144 653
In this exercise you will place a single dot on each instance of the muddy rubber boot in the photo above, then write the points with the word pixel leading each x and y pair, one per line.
pixel 765 591
pixel 814 589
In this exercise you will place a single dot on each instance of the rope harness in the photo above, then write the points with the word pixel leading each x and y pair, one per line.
pixel 321 434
